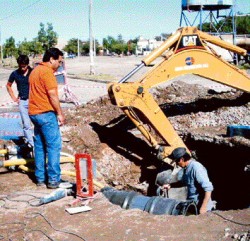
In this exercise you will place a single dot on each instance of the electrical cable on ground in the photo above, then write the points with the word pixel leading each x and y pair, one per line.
pixel 242 224
pixel 9 198
pixel 30 201
pixel 58 230
pixel 33 215
pixel 38 230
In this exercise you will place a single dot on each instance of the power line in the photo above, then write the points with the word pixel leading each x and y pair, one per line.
pixel 21 10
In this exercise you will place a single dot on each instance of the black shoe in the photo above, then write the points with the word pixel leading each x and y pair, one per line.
pixel 41 184
pixel 53 185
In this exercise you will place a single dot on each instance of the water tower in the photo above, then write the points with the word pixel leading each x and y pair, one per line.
pixel 207 11
pixel 198 12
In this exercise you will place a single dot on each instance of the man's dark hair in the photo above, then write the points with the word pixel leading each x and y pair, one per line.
pixel 23 59
pixel 186 157
pixel 52 52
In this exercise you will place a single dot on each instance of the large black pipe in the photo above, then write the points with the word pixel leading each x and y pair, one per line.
pixel 154 205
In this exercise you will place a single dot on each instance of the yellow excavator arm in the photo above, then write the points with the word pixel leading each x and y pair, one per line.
pixel 185 52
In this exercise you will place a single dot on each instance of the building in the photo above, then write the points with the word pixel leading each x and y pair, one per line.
pixel 146 46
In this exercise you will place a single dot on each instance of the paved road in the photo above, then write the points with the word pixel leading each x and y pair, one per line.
pixel 83 90
pixel 86 90
pixel 111 67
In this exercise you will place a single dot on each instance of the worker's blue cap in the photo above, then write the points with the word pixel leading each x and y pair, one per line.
pixel 178 153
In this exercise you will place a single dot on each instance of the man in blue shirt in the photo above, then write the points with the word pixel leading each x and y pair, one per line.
pixel 196 179
pixel 21 77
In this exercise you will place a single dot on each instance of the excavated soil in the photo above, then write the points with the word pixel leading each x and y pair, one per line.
pixel 126 161
pixel 197 114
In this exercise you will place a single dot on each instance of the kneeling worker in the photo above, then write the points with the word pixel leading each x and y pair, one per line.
pixel 196 179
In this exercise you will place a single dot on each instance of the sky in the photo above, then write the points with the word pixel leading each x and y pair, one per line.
pixel 70 18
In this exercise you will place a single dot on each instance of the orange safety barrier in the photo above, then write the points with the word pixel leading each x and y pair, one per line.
pixel 79 178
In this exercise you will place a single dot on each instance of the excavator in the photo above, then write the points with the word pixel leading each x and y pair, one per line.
pixel 187 51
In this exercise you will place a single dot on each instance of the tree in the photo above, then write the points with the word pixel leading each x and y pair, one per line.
pixel 23 47
pixel 131 46
pixel 47 37
pixel 108 42
pixel 85 47
pixel 135 40
pixel 52 36
pixel 36 47
pixel 120 39
pixel 72 46
pixel 243 24
pixel 225 25
pixel 10 48
pixel 30 47
pixel 117 46
pixel 165 36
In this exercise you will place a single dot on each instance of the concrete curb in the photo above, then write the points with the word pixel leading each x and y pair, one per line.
pixel 92 80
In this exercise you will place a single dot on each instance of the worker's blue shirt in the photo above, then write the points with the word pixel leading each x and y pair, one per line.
pixel 196 179
pixel 22 83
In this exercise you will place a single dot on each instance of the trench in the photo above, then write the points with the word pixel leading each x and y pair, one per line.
pixel 226 165
pixel 225 158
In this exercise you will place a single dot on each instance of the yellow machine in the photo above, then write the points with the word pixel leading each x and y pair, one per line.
pixel 187 51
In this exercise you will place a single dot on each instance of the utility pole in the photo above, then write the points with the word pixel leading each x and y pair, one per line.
pixel 1 45
pixel 78 48
pixel 91 40
pixel 94 47
pixel 234 30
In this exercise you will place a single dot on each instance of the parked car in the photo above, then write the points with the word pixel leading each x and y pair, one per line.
pixel 71 56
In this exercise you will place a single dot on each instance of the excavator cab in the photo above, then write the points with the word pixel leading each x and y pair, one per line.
pixel 187 51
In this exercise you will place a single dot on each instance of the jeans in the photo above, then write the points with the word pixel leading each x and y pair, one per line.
pixel 27 130
pixel 47 140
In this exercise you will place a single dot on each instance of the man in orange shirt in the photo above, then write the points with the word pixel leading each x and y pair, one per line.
pixel 45 113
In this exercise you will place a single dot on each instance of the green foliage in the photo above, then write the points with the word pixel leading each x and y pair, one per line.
pixel 72 46
pixel 36 47
pixel 134 40
pixel 23 47
pixel 119 46
pixel 243 25
pixel 42 34
pixel 9 48
pixel 47 37
pixel 131 46
pixel 108 42
pixel 85 47
pixel 30 47
pixel 120 39
pixel 225 25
